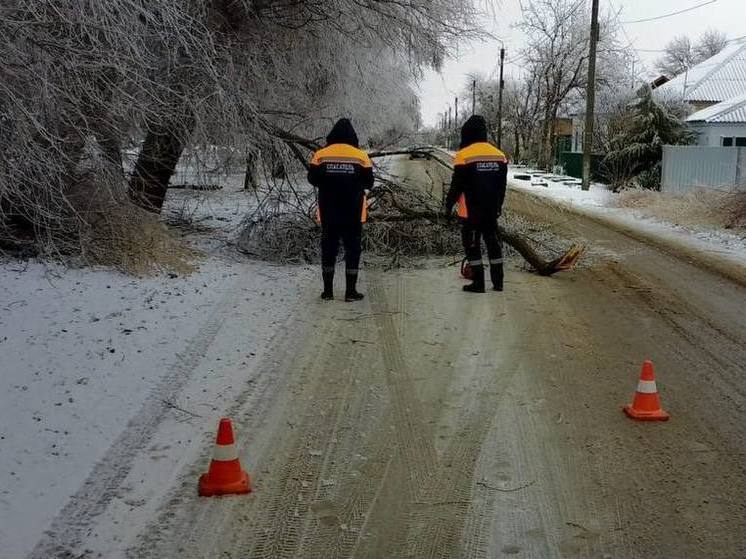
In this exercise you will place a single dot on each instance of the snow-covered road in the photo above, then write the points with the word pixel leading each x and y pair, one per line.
pixel 91 360
pixel 419 423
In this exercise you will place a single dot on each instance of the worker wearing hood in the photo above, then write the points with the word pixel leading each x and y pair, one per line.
pixel 478 189
pixel 341 172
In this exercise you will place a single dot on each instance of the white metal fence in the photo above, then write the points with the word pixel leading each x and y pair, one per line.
pixel 687 168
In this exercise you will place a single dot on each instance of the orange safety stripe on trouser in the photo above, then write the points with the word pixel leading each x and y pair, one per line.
pixel 461 209
pixel 363 214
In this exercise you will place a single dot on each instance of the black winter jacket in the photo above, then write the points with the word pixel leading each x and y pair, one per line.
pixel 341 172
pixel 479 180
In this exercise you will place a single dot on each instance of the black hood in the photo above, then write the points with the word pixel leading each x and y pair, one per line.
pixel 342 133
pixel 473 131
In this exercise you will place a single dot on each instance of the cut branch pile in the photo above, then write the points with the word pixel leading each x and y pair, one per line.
pixel 405 222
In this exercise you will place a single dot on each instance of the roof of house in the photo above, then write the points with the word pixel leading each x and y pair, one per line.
pixel 732 111
pixel 716 79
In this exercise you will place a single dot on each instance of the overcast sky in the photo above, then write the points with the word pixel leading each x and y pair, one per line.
pixel 438 90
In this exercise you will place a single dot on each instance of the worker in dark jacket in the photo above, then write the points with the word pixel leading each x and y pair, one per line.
pixel 478 187
pixel 342 173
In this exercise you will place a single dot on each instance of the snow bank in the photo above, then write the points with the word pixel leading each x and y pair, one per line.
pixel 82 351
pixel 599 202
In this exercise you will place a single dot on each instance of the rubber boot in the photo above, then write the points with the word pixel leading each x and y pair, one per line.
pixel 351 293
pixel 497 274
pixel 477 285
pixel 328 277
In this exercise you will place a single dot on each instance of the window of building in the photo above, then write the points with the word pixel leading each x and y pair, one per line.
pixel 739 141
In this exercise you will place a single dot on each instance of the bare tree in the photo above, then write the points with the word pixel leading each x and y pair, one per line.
pixel 556 55
pixel 710 43
pixel 553 78
pixel 521 108
pixel 555 62
pixel 88 77
pixel 680 53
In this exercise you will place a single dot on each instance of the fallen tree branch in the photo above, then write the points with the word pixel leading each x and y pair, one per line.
pixel 389 188
pixel 565 261
pixel 298 155
pixel 289 137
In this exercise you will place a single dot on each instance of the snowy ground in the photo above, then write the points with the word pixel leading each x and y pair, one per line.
pixel 361 418
pixel 599 202
pixel 91 360
pixel 85 352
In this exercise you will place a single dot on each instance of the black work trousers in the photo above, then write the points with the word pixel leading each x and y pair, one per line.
pixel 471 236
pixel 351 237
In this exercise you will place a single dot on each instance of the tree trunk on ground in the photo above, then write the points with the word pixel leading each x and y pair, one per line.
pixel 542 267
pixel 157 161
pixel 565 261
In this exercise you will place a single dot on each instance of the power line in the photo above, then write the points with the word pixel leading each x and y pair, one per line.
pixel 671 14
pixel 729 41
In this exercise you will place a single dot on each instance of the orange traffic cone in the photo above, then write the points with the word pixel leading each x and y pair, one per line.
pixel 647 405
pixel 225 476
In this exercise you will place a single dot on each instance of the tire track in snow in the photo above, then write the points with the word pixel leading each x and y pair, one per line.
pixel 186 526
pixel 63 537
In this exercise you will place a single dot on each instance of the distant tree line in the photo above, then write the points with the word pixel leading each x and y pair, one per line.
pixel 549 83
pixel 550 77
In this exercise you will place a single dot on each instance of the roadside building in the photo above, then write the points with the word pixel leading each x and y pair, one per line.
pixel 718 160
pixel 712 81
pixel 722 125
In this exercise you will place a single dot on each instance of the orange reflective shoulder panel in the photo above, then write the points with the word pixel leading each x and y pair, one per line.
pixel 484 158
pixel 366 160
pixel 483 152
pixel 343 153
pixel 458 159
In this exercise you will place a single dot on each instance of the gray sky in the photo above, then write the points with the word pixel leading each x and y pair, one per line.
pixel 438 90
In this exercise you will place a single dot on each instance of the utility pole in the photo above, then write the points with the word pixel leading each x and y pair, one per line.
pixel 473 97
pixel 500 88
pixel 590 106
pixel 448 143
